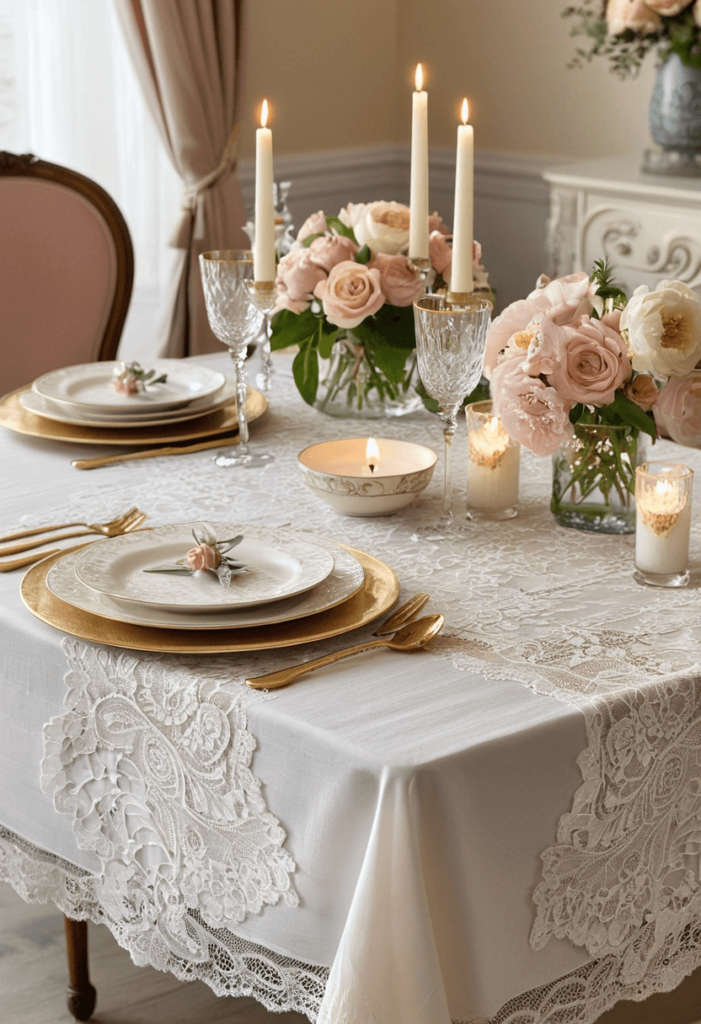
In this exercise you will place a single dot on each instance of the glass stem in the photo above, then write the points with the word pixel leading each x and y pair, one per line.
pixel 266 357
pixel 239 357
pixel 450 420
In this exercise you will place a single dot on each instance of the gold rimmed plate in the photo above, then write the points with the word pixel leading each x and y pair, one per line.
pixel 225 420
pixel 379 591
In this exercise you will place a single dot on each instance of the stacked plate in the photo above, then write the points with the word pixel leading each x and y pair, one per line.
pixel 83 395
pixel 289 576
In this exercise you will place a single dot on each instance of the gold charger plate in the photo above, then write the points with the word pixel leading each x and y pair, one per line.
pixel 222 421
pixel 378 593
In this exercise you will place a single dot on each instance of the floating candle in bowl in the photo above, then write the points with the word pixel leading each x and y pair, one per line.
pixel 366 476
pixel 492 465
pixel 663 521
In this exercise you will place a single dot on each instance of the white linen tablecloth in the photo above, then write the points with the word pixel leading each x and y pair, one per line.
pixel 417 793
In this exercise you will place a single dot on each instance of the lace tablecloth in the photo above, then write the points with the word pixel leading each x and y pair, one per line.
pixel 366 846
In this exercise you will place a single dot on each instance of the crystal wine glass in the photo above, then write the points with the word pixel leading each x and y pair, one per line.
pixel 450 341
pixel 235 321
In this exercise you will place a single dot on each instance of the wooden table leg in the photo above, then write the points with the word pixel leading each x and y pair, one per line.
pixel 81 994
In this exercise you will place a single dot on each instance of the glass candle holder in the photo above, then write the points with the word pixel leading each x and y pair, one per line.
pixel 663 521
pixel 492 465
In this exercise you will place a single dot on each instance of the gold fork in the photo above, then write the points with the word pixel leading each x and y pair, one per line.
pixel 128 523
pixel 409 610
pixel 106 528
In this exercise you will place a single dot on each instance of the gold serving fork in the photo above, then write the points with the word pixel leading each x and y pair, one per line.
pixel 106 528
pixel 130 521
pixel 407 611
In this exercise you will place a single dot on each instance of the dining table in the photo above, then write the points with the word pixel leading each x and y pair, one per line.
pixel 503 828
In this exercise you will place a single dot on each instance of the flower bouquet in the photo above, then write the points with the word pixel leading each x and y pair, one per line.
pixel 574 372
pixel 624 31
pixel 345 296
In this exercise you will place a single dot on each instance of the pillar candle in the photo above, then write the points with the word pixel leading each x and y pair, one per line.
pixel 418 224
pixel 461 279
pixel 264 244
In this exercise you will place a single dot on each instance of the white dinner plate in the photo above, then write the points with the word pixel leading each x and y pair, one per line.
pixel 278 567
pixel 87 387
pixel 340 585
pixel 33 402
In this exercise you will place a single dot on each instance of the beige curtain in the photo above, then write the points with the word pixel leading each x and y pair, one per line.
pixel 187 56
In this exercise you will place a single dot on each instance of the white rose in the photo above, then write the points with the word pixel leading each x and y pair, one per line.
pixel 382 226
pixel 664 329
pixel 351 214
pixel 636 15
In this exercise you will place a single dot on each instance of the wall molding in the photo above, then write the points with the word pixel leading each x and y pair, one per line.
pixel 383 172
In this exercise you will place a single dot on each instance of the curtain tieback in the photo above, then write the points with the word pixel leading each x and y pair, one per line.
pixel 192 194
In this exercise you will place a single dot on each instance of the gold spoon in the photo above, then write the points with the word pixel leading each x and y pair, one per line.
pixel 409 638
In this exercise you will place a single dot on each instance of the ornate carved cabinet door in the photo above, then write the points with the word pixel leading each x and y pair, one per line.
pixel 647 226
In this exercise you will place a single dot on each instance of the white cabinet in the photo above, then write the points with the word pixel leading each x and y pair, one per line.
pixel 648 227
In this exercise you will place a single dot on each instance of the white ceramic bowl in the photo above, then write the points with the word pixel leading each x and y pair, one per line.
pixel 339 472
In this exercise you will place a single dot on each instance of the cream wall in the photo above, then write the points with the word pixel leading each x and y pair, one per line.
pixel 329 68
pixel 339 74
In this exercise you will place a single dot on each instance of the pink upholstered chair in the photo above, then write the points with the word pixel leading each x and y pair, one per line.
pixel 66 270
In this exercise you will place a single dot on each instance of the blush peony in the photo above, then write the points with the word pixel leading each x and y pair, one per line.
pixel 678 410
pixel 664 329
pixel 635 15
pixel 314 225
pixel 532 412
pixel 329 250
pixel 297 276
pixel 382 226
pixel 400 284
pixel 350 293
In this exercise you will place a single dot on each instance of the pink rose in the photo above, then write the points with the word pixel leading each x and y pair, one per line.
pixel 593 363
pixel 667 7
pixel 203 557
pixel 435 223
pixel 632 14
pixel 314 225
pixel 642 390
pixel 678 410
pixel 441 252
pixel 350 293
pixel 127 385
pixel 329 250
pixel 400 285
pixel 571 296
pixel 531 412
pixel 297 276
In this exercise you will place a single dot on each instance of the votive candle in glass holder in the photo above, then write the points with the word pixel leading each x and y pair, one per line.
pixel 492 465
pixel 663 521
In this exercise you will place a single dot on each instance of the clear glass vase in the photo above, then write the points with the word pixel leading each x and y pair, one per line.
pixel 351 383
pixel 594 479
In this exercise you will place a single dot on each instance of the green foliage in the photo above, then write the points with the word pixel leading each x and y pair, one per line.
pixel 607 288
pixel 363 255
pixel 622 412
pixel 337 225
pixel 626 51
pixel 305 370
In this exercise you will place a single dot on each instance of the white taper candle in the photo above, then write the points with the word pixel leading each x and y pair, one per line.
pixel 418 202
pixel 461 279
pixel 264 244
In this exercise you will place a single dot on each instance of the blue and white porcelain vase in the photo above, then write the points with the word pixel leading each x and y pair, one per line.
pixel 675 114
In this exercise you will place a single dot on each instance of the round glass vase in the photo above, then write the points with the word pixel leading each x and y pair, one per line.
pixel 594 478
pixel 351 384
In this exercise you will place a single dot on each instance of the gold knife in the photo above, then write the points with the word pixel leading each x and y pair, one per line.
pixel 151 453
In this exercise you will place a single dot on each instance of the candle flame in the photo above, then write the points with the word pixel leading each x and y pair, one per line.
pixel 372 454
pixel 419 78
pixel 465 111
pixel 264 114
